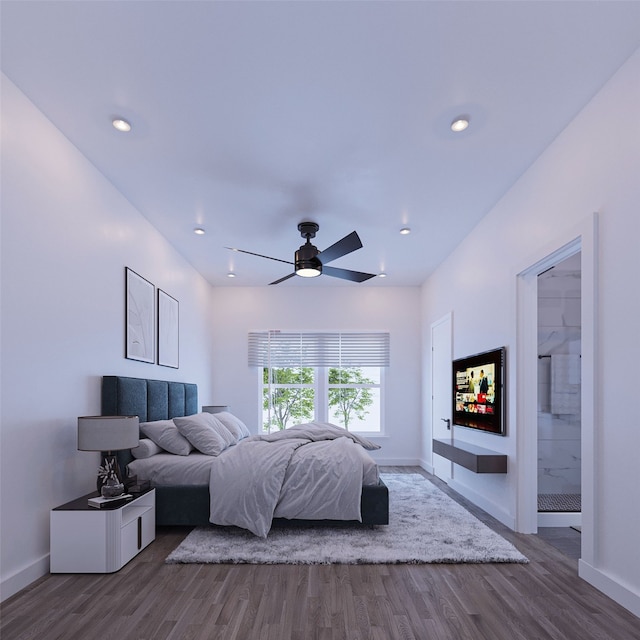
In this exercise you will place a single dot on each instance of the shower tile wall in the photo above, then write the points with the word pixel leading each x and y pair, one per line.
pixel 558 333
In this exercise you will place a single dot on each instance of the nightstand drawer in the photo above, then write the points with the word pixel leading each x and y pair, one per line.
pixel 137 533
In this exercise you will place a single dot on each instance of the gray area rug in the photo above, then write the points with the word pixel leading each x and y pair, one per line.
pixel 425 526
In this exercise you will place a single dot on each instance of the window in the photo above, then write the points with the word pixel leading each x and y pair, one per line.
pixel 331 377
pixel 354 398
pixel 288 397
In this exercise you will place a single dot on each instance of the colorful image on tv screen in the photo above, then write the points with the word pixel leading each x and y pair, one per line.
pixel 475 389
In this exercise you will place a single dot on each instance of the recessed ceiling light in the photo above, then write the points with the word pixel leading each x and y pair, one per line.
pixel 199 231
pixel 382 274
pixel 460 124
pixel 121 125
pixel 405 231
pixel 231 274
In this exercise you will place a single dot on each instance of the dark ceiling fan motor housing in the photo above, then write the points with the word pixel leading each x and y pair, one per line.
pixel 306 262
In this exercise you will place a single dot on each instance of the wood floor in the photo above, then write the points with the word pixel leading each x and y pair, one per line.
pixel 150 600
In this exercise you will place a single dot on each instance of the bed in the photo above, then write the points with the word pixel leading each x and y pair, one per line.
pixel 191 504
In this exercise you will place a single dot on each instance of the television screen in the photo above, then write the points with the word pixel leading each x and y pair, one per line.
pixel 478 391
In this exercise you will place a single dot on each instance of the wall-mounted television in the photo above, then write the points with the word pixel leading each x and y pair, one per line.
pixel 479 391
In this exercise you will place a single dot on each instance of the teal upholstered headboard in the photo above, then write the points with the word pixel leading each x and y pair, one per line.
pixel 148 399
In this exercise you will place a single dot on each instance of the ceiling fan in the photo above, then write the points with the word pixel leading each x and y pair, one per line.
pixel 309 262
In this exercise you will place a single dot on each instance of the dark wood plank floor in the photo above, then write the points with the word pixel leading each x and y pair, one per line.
pixel 565 539
pixel 150 600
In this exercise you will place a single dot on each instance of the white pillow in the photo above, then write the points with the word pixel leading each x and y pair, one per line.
pixel 205 433
pixel 234 424
pixel 223 430
pixel 166 435
pixel 227 421
pixel 146 449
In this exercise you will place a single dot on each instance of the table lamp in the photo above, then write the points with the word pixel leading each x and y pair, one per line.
pixel 108 434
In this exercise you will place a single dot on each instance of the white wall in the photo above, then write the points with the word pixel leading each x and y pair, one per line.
pixel 397 310
pixel 592 166
pixel 67 236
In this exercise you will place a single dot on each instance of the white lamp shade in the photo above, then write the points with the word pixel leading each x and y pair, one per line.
pixel 108 433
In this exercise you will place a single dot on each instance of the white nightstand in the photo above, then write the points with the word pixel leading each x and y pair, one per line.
pixel 89 540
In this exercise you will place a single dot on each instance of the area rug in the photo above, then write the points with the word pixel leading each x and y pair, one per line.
pixel 425 526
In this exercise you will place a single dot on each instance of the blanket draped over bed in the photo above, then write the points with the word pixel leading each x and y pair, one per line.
pixel 312 471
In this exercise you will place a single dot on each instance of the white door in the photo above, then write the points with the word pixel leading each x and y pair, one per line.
pixel 441 373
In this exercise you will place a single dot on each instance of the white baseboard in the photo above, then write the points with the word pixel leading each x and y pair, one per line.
pixel 427 466
pixel 23 578
pixel 624 596
pixel 491 508
pixel 569 519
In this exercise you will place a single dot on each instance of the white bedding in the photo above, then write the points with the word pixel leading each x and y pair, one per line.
pixel 167 469
pixel 314 471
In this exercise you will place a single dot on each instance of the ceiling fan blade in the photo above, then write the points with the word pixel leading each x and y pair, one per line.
pixel 341 248
pixel 347 274
pixel 259 255
pixel 283 279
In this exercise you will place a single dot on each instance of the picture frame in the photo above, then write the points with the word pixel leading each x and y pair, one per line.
pixel 140 318
pixel 168 330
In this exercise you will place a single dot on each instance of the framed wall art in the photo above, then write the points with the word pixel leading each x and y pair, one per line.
pixel 140 318
pixel 168 330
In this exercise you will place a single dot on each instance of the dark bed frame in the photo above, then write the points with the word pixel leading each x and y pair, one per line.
pixel 189 504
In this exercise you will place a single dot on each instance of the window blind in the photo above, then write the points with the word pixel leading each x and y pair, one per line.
pixel 295 349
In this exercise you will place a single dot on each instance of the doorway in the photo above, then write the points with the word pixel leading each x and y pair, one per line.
pixel 559 402
pixel 441 399
pixel 581 238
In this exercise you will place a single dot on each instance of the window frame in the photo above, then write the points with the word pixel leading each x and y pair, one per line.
pixel 321 352
pixel 320 388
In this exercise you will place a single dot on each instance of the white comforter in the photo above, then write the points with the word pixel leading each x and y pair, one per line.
pixel 313 471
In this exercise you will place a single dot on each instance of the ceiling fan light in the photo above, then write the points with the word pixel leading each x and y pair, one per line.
pixel 308 273
pixel 306 263
pixel 308 269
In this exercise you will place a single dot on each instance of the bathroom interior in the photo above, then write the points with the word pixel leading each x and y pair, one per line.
pixel 559 426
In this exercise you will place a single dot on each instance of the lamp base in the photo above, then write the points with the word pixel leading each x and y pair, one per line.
pixel 112 488
pixel 109 472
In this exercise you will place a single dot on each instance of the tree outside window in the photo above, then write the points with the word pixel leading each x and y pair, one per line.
pixel 290 396
pixel 346 396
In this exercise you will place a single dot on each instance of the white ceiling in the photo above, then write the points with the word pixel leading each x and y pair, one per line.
pixel 249 117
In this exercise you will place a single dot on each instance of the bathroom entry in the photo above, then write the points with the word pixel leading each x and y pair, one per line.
pixel 559 387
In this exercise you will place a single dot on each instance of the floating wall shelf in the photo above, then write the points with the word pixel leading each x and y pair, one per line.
pixel 469 456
